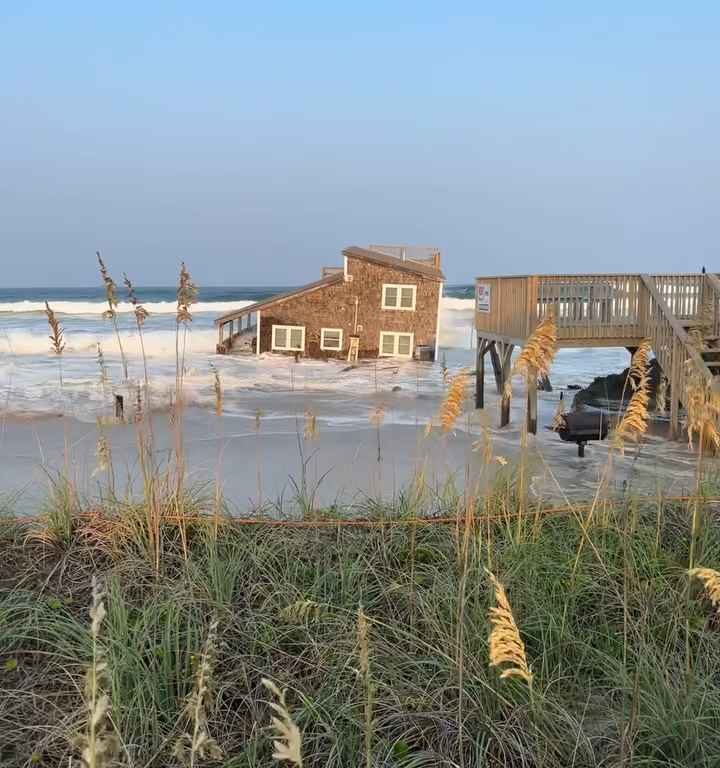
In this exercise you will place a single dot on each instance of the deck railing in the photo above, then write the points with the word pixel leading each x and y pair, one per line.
pixel 611 310
pixel 682 294
pixel 587 308
pixel 590 307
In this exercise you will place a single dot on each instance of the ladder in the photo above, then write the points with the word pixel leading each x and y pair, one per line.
pixel 353 350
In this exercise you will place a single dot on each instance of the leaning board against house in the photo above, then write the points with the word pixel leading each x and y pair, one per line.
pixel 387 298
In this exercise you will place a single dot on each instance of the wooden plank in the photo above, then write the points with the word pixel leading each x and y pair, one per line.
pixel 532 405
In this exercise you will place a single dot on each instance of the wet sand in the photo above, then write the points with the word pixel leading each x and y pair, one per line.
pixel 341 464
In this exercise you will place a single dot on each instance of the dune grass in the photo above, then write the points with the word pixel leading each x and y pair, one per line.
pixel 605 638
pixel 441 628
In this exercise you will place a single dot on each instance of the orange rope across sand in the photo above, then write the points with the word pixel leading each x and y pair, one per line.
pixel 566 509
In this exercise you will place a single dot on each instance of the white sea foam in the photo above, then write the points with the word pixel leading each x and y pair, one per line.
pixel 158 343
pixel 83 308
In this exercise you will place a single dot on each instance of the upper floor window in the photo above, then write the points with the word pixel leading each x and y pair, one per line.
pixel 399 296
pixel 288 338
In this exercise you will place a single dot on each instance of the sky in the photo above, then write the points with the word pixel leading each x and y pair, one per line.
pixel 256 140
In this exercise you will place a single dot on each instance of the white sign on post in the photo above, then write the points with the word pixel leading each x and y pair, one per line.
pixel 483 297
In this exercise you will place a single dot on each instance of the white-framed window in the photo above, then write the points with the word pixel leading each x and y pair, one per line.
pixel 331 339
pixel 288 338
pixel 396 344
pixel 399 296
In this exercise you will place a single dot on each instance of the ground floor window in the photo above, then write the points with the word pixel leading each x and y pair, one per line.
pixel 288 338
pixel 331 338
pixel 396 344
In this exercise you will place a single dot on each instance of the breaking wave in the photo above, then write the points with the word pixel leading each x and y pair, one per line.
pixel 158 343
pixel 82 308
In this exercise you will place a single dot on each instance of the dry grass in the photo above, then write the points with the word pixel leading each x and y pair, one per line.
pixel 506 645
pixel 103 454
pixel 703 413
pixel 634 422
pixel 310 427
pixel 711 581
pixel 287 739
pixel 98 744
pixel 57 343
pixel 639 363
pixel 536 357
pixel 111 312
pixel 196 745
pixel 452 405
pixel 187 293
pixel 102 366
pixel 217 389
pixel 141 314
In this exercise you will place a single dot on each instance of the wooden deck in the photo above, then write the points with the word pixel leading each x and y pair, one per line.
pixel 604 310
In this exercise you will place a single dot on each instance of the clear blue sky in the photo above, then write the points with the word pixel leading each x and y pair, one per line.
pixel 255 140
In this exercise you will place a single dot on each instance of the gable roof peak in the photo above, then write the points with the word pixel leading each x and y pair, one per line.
pixel 398 257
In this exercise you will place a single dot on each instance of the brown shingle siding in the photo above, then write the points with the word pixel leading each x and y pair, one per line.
pixel 333 306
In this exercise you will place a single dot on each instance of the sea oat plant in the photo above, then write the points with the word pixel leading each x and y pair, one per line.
pixel 287 739
pixel 639 363
pixel 310 428
pixel 537 354
pixel 376 418
pixel 453 402
pixel 141 315
pixel 102 365
pixel 711 582
pixel 506 645
pixel 111 312
pixel 186 295
pixel 703 411
pixel 217 389
pixel 57 342
pixel 196 745
pixel 634 422
pixel 103 456
pixel 98 744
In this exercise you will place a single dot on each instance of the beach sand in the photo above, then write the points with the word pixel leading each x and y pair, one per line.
pixel 341 463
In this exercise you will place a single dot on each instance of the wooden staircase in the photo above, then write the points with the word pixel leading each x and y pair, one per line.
pixel 683 327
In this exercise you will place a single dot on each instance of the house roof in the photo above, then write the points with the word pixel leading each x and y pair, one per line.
pixel 329 280
pixel 405 265
pixel 365 254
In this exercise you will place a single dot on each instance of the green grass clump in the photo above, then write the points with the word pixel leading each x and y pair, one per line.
pixel 624 647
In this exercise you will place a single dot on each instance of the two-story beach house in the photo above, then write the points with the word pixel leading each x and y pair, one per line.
pixel 384 301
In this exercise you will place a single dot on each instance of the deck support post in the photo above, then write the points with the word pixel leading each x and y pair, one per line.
pixel 501 355
pixel 483 345
pixel 532 404
pixel 480 375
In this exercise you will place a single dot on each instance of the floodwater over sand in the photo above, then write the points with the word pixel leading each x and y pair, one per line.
pixel 41 423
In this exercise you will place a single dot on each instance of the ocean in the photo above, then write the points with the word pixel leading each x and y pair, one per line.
pixel 29 372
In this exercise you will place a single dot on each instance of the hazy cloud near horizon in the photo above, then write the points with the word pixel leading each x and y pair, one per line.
pixel 256 142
